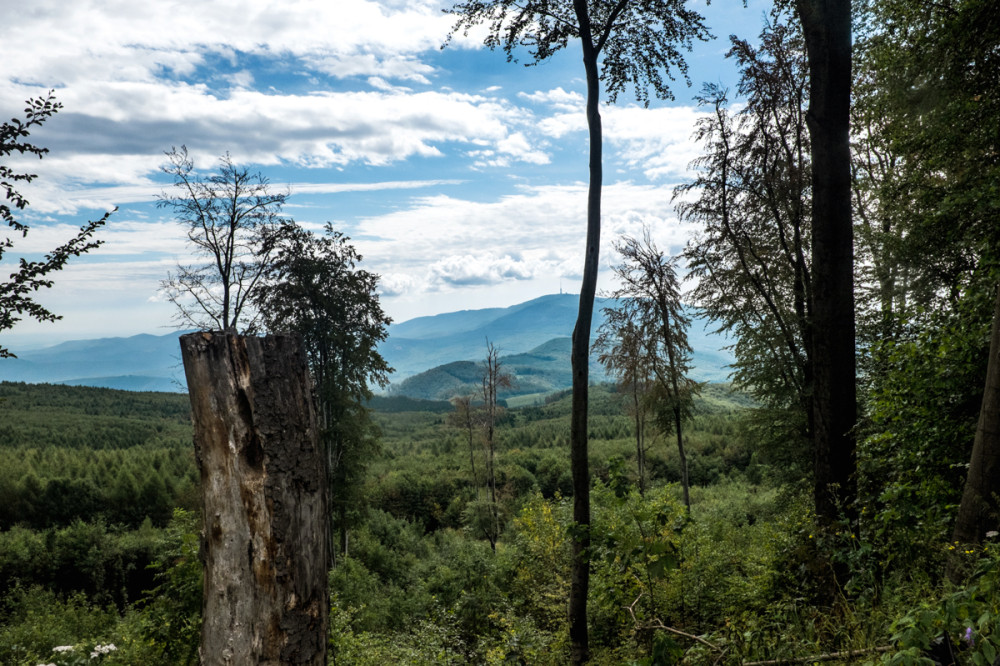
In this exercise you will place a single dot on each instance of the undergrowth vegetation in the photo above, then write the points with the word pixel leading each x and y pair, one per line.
pixel 743 577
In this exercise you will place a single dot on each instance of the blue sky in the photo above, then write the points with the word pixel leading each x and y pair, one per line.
pixel 460 177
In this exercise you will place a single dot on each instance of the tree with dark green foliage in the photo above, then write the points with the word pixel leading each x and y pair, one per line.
pixel 17 293
pixel 625 44
pixel 752 258
pixel 926 287
pixel 946 72
pixel 316 288
pixel 930 75
pixel 886 278
pixel 171 622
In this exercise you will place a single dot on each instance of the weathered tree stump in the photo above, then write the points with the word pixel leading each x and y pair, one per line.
pixel 265 538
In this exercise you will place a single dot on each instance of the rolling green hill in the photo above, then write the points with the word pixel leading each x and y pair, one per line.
pixel 541 370
pixel 544 369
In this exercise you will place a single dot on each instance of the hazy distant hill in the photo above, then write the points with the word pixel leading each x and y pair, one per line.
pixel 540 370
pixel 138 363
pixel 534 343
pixel 533 336
pixel 543 369
pixel 426 342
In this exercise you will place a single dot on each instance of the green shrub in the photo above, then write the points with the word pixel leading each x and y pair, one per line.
pixel 34 620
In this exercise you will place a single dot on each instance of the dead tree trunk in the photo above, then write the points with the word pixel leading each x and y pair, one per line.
pixel 265 541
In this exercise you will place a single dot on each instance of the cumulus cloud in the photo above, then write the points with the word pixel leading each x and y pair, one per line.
pixel 397 284
pixel 376 128
pixel 656 141
pixel 517 145
pixel 445 242
pixel 478 269
pixel 558 98
pixel 118 40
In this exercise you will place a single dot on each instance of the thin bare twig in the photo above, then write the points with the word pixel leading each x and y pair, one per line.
pixel 658 624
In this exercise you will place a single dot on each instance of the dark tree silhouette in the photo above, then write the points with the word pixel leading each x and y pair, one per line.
pixel 752 257
pixel 316 288
pixel 17 294
pixel 231 220
pixel 826 26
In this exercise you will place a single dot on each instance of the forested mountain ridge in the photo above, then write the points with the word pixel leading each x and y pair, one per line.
pixel 540 370
pixel 427 342
pixel 141 362
pixel 152 362
pixel 533 327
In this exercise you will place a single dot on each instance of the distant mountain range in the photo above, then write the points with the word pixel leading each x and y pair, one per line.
pixel 432 356
pixel 139 363
pixel 534 341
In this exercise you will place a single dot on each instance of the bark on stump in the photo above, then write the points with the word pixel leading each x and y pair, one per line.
pixel 265 541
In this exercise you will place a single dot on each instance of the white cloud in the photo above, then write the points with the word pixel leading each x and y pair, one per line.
pixel 443 242
pixel 479 268
pixel 516 145
pixel 558 98
pixel 372 66
pixel 134 123
pixel 657 141
pixel 396 284
pixel 241 79
pixel 333 188
pixel 124 40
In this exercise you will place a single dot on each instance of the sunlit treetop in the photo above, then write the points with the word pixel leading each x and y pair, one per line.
pixel 638 42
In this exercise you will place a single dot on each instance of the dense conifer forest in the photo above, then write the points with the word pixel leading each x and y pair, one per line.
pixel 100 542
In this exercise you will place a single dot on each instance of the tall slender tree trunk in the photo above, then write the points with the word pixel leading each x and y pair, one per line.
pixel 827 28
pixel 342 515
pixel 685 482
pixel 580 357
pixel 264 501
pixel 675 373
pixel 640 447
pixel 979 511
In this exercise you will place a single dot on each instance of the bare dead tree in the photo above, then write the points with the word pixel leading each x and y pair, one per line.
pixel 230 218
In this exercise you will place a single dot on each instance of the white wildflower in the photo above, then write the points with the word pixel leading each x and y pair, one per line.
pixel 63 648
pixel 100 650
